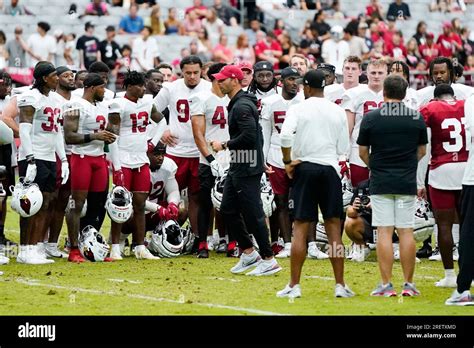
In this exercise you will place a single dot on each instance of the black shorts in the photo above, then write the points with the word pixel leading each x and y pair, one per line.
pixel 316 185
pixel 45 174
pixel 6 160
pixel 206 179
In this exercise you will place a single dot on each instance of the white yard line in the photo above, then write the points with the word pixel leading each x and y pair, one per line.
pixel 145 297
pixel 125 281
pixel 225 279
pixel 318 277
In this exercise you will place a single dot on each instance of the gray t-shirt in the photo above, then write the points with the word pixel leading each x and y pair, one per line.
pixel 16 54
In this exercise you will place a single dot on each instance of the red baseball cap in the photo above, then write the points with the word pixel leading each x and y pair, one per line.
pixel 247 66
pixel 447 24
pixel 229 72
pixel 429 35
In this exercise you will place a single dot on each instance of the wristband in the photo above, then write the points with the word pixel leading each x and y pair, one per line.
pixel 210 158
pixel 30 159
pixel 87 138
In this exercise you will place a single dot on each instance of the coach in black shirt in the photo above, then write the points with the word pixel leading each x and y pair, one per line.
pixel 391 141
pixel 241 198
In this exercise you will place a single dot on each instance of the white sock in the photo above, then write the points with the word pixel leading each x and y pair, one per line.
pixel 449 273
pixel 435 235
pixel 455 234
pixel 116 248
pixel 288 246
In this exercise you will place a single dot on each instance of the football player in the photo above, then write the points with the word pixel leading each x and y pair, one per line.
pixel 401 68
pixel 84 127
pixel 41 139
pixel 351 71
pixel 182 148
pixel 103 71
pixel 450 142
pixel 209 122
pixel 264 82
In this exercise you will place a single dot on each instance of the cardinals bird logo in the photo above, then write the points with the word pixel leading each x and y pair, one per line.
pixel 25 204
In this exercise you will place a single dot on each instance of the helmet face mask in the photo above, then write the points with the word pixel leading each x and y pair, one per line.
pixel 92 245
pixel 218 190
pixel 267 197
pixel 119 204
pixel 167 239
pixel 424 221
pixel 27 198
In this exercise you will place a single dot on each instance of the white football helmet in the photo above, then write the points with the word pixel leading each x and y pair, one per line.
pixel 188 238
pixel 119 204
pixel 217 191
pixel 267 196
pixel 27 198
pixel 71 204
pixel 92 245
pixel 424 221
pixel 166 240
pixel 347 191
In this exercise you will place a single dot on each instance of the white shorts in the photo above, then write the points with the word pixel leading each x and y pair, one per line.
pixel 393 210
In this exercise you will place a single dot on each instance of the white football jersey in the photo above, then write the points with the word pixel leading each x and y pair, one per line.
pixel 45 126
pixel 134 121
pixel 62 102
pixel 468 178
pixel 214 109
pixel 461 92
pixel 274 110
pixel 411 99
pixel 360 100
pixel 160 178
pixel 3 103
pixel 175 95
pixel 92 118
pixel 334 93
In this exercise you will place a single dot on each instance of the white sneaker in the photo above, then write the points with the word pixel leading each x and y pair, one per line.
pixel 266 267
pixel 286 252
pixel 142 253
pixel 210 243
pixel 359 253
pixel 457 299
pixel 33 257
pixel 40 249
pixel 343 291
pixel 447 282
pixel 115 253
pixel 246 262
pixel 315 253
pixel 455 254
pixel 4 260
pixel 22 253
pixel 291 292
pixel 51 250
pixel 396 256
pixel 350 253
pixel 436 256
pixel 38 252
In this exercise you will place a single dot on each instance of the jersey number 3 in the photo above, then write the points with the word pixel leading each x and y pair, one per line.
pixel 455 134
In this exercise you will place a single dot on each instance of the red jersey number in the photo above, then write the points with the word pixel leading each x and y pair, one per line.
pixel 50 126
pixel 101 121
pixel 278 119
pixel 371 105
pixel 141 117
pixel 182 106
pixel 219 117
pixel 156 190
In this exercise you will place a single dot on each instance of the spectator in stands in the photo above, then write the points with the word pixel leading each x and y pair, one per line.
pixel 268 5
pixel 430 50
pixel 389 31
pixel 167 71
pixel 449 41
pixel 96 8
pixel 192 24
pixel 374 10
pixel 243 52
pixel 222 53
pixel 321 26
pixel 252 31
pixel 14 9
pixel 79 78
pixel 198 8
pixel 126 61
pixel 470 64
pixel 447 5
pixel 374 33
pixel 362 32
pixel 109 49
pixel 247 70
pixel 399 9
pixel 59 59
pixel 335 50
pixel 3 50
pixel 194 50
pixel 357 45
pixel 145 3
pixel 310 5
pixel 396 49
pixel 204 44
pixel 288 49
pixel 145 51
pixel 225 13
pixel 413 53
pixel 268 49
pixel 214 25
pixel 377 51
pixel 467 46
pixel 420 33
pixel 131 23
pixel 41 46
pixel 310 46
pixel 70 52
pixel 15 50
pixel 279 27
pixel 300 62
pixel 88 46
pixel 154 21
pixel 335 12
pixel 172 25
pixel 421 80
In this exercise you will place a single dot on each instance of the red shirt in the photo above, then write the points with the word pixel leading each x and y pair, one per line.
pixel 447 47
pixel 261 47
pixel 429 53
pixel 395 51
pixel 448 134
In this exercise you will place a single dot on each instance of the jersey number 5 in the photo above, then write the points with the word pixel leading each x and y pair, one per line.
pixel 278 119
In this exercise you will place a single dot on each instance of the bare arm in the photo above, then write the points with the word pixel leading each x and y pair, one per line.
pixel 350 121
pixel 421 151
pixel 364 154
pixel 9 114
pixel 71 125
pixel 199 130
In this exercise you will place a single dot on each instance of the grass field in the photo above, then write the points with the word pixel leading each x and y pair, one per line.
pixel 191 286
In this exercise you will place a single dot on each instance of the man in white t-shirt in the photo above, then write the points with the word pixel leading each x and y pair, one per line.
pixel 42 47
pixel 144 51
pixel 335 49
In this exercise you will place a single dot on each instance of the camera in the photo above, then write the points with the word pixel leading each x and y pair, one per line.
pixel 364 202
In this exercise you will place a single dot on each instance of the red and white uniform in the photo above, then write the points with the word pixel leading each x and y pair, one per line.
pixel 461 92
pixel 214 110
pixel 108 95
pixel 45 128
pixel 335 93
pixel 449 150
pixel 89 170
pixel 411 99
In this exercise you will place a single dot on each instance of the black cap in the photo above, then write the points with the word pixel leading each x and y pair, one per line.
pixel 289 72
pixel 262 66
pixel 89 25
pixel 110 28
pixel 63 69
pixel 93 79
pixel 43 69
pixel 314 79
pixel 327 67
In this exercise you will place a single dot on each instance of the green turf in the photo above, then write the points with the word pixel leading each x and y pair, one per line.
pixel 191 286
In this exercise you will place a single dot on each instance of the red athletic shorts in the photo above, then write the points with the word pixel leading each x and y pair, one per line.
pixel 138 179
pixel 444 199
pixel 59 179
pixel 358 174
pixel 280 181
pixel 188 173
pixel 89 173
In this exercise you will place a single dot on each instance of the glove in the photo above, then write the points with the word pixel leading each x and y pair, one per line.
pixel 216 169
pixel 151 146
pixel 30 173
pixel 172 212
pixel 345 169
pixel 64 172
pixel 162 213
pixel 119 178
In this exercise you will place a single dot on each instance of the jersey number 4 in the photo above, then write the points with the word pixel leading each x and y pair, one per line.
pixel 456 127
pixel 219 117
